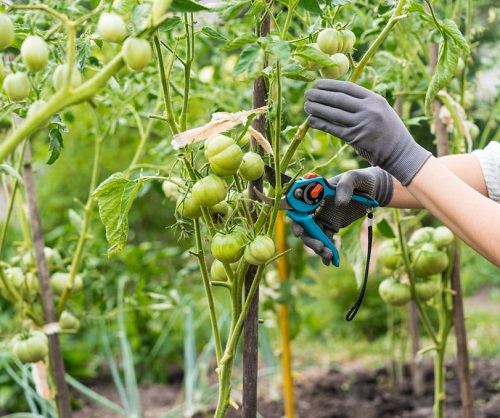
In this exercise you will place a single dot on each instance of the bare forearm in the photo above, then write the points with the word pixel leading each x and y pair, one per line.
pixel 465 166
pixel 471 215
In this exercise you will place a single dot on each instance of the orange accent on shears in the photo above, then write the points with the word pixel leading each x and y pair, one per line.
pixel 310 175
pixel 316 191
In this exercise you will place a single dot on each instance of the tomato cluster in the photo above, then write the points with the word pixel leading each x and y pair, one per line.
pixel 428 250
pixel 35 54
pixel 335 43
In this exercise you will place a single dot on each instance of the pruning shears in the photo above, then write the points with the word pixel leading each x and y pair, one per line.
pixel 302 199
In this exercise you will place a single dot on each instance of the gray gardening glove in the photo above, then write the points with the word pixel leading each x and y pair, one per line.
pixel 340 211
pixel 366 121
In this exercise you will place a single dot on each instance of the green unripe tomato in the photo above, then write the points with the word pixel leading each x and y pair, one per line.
pixel 227 248
pixel 69 322
pixel 428 260
pixel 35 53
pixel 394 293
pixel 59 282
pixel 60 75
pixel 260 250
pixel 426 289
pixel 218 272
pixel 421 236
pixel 349 39
pixel 220 211
pixel 17 86
pixel 30 348
pixel 6 31
pixel 111 27
pixel 389 255
pixel 35 108
pixel 188 207
pixel 209 191
pixel 137 53
pixel 442 237
pixel 338 69
pixel 328 41
pixel 252 166
pixel 223 154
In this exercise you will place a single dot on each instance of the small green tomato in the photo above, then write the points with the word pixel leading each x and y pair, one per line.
pixel 137 53
pixel 252 166
pixel 260 250
pixel 111 27
pixel 6 31
pixel 17 86
pixel 35 53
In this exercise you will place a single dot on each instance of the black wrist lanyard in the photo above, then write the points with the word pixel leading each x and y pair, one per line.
pixel 354 310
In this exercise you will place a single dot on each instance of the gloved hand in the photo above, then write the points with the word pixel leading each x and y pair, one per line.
pixel 366 121
pixel 340 211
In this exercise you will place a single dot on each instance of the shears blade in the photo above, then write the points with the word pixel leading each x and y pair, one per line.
pixel 271 176
pixel 283 205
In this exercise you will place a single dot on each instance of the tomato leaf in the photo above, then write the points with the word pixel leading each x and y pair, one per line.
pixel 351 248
pixel 10 171
pixel 385 228
pixel 171 24
pixel 313 54
pixel 251 60
pixel 280 49
pixel 115 197
pixel 311 6
pixel 444 71
pixel 213 34
pixel 296 72
pixel 240 41
pixel 55 145
pixel 188 6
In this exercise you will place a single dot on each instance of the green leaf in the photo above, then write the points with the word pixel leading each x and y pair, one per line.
pixel 334 3
pixel 385 228
pixel 311 6
pixel 188 6
pixel 10 171
pixel 444 71
pixel 55 145
pixel 296 72
pixel 251 60
pixel 311 53
pixel 230 9
pixel 83 52
pixel 56 120
pixel 124 7
pixel 256 8
pixel 450 27
pixel 240 41
pixel 213 34
pixel 171 24
pixel 281 50
pixel 351 248
pixel 115 197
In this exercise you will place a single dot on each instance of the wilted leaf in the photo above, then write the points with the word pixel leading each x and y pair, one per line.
pixel 115 197
pixel 55 145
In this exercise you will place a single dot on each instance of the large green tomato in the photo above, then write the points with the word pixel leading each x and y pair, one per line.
pixel 228 248
pixel 328 41
pixel 59 282
pixel 252 166
pixel 442 237
pixel 260 250
pixel 188 207
pixel 30 348
pixel 427 288
pixel 6 31
pixel 137 53
pixel 17 86
pixel 218 272
pixel 34 53
pixel 111 27
pixel 223 154
pixel 338 69
pixel 421 236
pixel 60 75
pixel 429 260
pixel 69 322
pixel 389 255
pixel 209 191
pixel 394 293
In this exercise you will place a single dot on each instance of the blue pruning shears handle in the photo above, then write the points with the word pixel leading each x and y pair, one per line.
pixel 305 195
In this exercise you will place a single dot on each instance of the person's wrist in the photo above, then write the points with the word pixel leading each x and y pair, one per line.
pixel 384 186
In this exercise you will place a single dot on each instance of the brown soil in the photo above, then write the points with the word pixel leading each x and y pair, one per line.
pixel 330 393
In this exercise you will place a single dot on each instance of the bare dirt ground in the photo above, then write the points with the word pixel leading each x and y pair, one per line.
pixel 336 393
